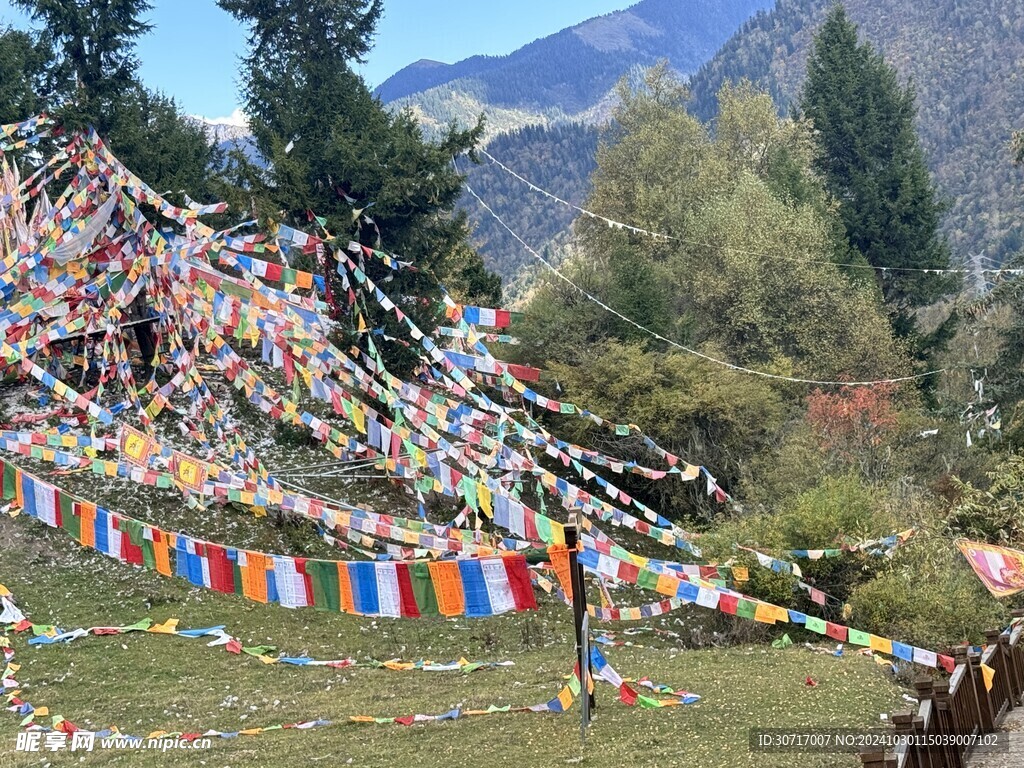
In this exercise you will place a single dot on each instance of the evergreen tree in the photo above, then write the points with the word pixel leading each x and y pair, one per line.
pixel 24 84
pixel 331 148
pixel 90 81
pixel 874 166
pixel 95 42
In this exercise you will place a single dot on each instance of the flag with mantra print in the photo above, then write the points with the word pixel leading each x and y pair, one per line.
pixel 1000 569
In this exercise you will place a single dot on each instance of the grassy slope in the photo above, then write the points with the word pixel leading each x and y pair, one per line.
pixel 146 682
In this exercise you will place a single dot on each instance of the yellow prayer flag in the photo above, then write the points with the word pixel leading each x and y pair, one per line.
pixel 167 628
pixel 483 495
pixel 557 533
pixel 565 698
pixel 764 613
pixel 881 645
pixel 988 674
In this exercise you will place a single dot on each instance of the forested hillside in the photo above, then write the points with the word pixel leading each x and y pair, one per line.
pixel 560 159
pixel 963 58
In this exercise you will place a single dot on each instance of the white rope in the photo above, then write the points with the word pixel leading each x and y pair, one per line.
pixel 688 350
pixel 662 236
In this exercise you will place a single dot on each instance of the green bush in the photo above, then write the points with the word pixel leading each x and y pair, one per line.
pixel 835 510
pixel 929 597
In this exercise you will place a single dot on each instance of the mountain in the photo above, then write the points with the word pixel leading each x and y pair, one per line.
pixel 541 103
pixel 223 129
pixel 964 60
pixel 568 75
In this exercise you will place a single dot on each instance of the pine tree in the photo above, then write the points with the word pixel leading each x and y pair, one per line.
pixel 91 81
pixel 874 166
pixel 331 148
pixel 23 83
pixel 95 42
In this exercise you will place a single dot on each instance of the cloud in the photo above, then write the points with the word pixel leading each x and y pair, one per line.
pixel 237 119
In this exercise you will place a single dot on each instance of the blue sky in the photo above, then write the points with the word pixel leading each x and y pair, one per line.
pixel 192 53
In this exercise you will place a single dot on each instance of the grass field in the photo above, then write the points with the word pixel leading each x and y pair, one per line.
pixel 144 682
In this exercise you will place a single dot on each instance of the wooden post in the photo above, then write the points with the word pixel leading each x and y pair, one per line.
pixel 924 756
pixel 1017 656
pixel 970 681
pixel 931 754
pixel 946 722
pixel 579 609
pixel 1009 671
pixel 987 715
pixel 903 723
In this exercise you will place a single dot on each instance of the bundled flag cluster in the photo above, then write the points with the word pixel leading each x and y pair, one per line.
pixel 76 272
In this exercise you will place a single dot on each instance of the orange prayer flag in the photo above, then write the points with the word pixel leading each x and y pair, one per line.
pixel 345 588
pixel 764 613
pixel 88 523
pixel 558 554
pixel 988 674
pixel 667 585
pixel 161 554
pixel 448 587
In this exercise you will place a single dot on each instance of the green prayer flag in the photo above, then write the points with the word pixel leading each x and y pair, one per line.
pixel 326 590
pixel 69 521
pixel 259 650
pixel 10 478
pixel 574 685
pixel 468 487
pixel 746 608
pixel 816 625
pixel 857 637
pixel 647 579
pixel 423 589
pixel 237 569
pixel 139 626
pixel 544 529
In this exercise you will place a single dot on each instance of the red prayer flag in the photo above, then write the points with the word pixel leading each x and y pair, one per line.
pixel 627 695
pixel 836 631
pixel 519 581
pixel 409 607
pixel 727 604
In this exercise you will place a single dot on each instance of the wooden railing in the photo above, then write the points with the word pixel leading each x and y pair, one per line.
pixel 960 705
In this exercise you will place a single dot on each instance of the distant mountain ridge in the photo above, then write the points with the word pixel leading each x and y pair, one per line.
pixel 566 76
pixel 541 103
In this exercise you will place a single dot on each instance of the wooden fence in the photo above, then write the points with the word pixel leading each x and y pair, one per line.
pixel 959 705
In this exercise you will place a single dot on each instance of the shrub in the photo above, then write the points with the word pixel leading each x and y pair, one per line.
pixel 929 597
